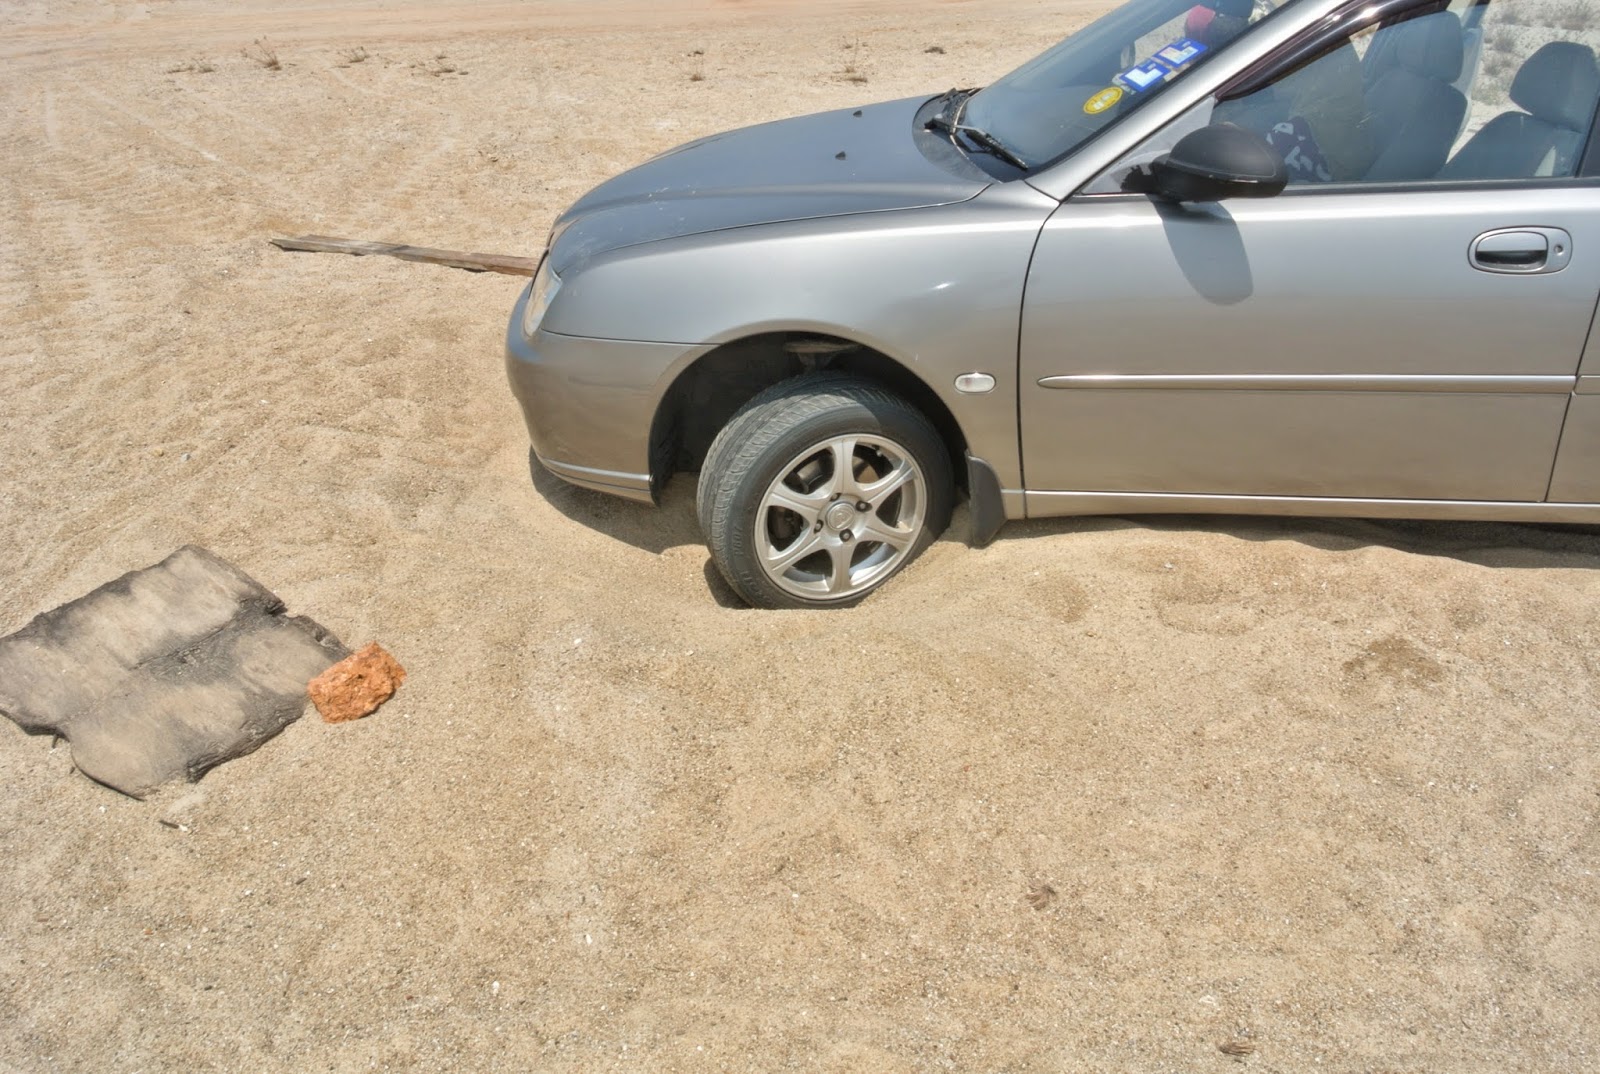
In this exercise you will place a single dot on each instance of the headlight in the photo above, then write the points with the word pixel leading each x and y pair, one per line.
pixel 545 286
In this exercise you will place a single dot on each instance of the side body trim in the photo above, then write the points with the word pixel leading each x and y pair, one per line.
pixel 1297 382
pixel 1057 504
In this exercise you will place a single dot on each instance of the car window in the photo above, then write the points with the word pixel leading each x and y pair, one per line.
pixel 1483 89
pixel 1508 35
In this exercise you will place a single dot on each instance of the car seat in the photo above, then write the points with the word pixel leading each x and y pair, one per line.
pixel 1558 87
pixel 1413 110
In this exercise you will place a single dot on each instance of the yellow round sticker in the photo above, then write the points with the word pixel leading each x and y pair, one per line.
pixel 1102 100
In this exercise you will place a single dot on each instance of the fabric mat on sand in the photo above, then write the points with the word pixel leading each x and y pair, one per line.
pixel 165 672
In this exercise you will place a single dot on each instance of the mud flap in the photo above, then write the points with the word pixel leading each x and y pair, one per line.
pixel 985 503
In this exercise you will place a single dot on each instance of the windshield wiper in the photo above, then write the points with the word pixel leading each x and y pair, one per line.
pixel 992 144
pixel 952 125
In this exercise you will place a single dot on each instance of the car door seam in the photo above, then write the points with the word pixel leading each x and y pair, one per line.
pixel 1022 308
pixel 1577 382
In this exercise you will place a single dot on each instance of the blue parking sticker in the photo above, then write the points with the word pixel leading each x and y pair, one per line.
pixel 1180 52
pixel 1142 76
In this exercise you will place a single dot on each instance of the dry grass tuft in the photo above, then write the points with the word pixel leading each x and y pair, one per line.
pixel 261 52
pixel 1573 17
pixel 438 66
pixel 1238 1047
pixel 1041 895
pixel 851 72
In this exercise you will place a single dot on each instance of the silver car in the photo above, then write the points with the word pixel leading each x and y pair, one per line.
pixel 1312 258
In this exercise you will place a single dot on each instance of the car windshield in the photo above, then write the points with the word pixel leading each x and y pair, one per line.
pixel 1052 104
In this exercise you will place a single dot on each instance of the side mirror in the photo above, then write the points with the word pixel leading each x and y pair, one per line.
pixel 1216 162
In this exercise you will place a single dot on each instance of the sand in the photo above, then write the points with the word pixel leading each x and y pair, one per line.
pixel 1107 795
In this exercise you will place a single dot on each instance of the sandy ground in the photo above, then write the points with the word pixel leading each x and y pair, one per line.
pixel 1323 792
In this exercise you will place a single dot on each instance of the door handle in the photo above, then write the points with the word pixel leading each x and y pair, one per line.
pixel 1521 251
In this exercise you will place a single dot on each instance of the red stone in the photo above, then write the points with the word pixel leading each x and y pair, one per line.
pixel 356 685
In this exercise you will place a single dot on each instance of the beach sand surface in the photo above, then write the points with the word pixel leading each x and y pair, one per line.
pixel 1108 795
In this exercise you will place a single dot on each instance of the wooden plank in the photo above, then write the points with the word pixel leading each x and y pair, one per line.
pixel 323 244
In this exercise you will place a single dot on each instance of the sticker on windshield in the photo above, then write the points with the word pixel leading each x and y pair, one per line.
pixel 1162 67
pixel 1102 100
pixel 1180 52
pixel 1142 76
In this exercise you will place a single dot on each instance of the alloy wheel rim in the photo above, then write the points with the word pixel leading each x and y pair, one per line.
pixel 840 517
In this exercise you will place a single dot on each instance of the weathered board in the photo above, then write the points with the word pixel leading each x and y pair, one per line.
pixel 165 672
pixel 322 244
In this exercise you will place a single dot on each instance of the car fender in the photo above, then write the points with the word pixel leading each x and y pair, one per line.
pixel 937 289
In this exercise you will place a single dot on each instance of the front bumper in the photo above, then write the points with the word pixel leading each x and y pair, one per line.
pixel 589 403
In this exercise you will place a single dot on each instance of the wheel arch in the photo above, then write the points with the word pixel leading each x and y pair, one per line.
pixel 706 392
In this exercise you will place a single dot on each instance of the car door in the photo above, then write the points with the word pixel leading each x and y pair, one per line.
pixel 1413 338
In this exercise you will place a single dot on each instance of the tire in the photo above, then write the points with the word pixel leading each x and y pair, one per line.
pixel 787 527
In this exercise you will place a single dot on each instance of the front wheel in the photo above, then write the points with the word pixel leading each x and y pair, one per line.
pixel 821 488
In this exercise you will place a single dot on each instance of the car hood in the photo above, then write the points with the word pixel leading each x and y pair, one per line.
pixel 850 161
